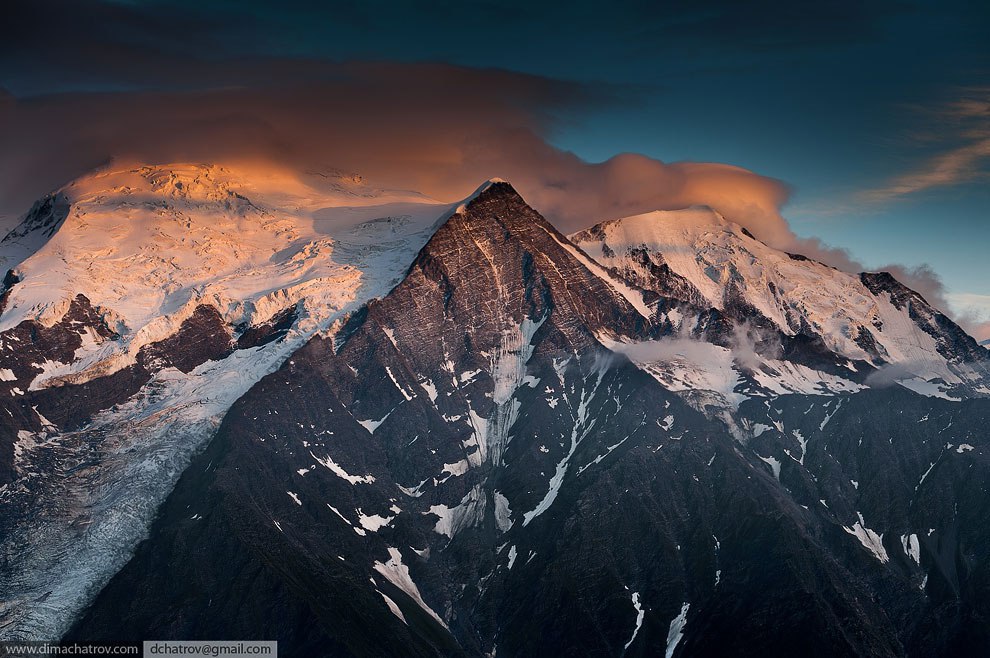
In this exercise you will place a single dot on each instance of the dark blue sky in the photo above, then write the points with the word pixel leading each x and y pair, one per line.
pixel 876 115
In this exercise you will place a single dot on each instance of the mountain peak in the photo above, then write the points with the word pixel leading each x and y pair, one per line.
pixel 527 267
pixel 685 222
pixel 490 188
pixel 696 255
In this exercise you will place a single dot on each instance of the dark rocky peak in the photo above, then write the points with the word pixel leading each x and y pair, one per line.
pixel 451 476
pixel 496 262
pixel 900 295
pixel 25 347
pixel 497 202
pixel 493 298
pixel 9 281
pixel 36 228
pixel 202 337
pixel 269 331
pixel 46 215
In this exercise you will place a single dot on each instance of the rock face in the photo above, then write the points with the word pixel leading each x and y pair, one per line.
pixel 25 352
pixel 521 451
pixel 30 348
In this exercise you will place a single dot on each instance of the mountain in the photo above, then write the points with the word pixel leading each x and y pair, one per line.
pixel 138 305
pixel 523 444
pixel 695 259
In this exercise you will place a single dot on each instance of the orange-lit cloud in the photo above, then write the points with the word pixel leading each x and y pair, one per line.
pixel 434 128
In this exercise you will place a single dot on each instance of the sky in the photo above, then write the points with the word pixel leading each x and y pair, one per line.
pixel 856 132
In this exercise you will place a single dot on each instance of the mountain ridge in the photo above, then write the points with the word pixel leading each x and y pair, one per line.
pixel 707 259
pixel 449 467
pixel 463 433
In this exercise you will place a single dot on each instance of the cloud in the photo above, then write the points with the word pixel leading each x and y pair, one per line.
pixel 435 128
pixel 970 299
pixel 777 25
pixel 893 373
pixel 751 345
pixel 416 123
pixel 980 330
pixel 961 131
pixel 972 311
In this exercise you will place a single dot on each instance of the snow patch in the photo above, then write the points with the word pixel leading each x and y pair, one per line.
pixel 337 512
pixel 454 470
pixel 870 540
pixel 373 522
pixel 640 615
pixel 469 512
pixel 413 492
pixel 339 471
pixel 676 630
pixel 372 425
pixel 684 364
pixel 393 607
pixel 912 548
pixel 508 372
pixel 581 428
pixel 398 574
pixel 760 428
pixel 774 464
pixel 406 395
pixel 430 389
pixel 928 389
pixel 803 442
pixel 503 514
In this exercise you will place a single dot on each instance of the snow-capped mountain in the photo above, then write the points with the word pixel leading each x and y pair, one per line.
pixel 138 305
pixel 150 244
pixel 451 430
pixel 695 260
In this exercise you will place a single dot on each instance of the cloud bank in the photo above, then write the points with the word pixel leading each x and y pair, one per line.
pixel 438 129
pixel 435 128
